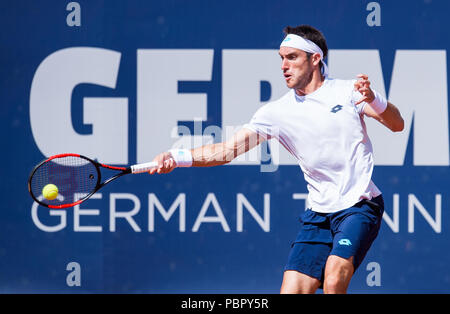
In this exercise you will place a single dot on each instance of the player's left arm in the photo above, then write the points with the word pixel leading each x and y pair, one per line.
pixel 389 117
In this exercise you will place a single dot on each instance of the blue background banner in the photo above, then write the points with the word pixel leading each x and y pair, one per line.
pixel 115 86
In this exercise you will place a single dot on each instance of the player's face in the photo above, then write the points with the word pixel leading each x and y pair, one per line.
pixel 296 66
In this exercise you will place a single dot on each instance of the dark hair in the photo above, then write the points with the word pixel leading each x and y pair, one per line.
pixel 310 33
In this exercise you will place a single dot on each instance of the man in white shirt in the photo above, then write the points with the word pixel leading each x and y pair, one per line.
pixel 320 121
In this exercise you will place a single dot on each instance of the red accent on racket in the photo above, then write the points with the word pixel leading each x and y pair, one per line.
pixel 77 178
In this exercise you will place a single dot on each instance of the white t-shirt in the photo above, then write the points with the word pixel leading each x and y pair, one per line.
pixel 326 133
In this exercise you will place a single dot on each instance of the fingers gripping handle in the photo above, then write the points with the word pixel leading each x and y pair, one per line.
pixel 145 167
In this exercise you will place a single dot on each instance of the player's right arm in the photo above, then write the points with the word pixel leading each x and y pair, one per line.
pixel 213 154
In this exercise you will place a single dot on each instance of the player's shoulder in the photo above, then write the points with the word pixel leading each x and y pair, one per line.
pixel 287 97
pixel 340 83
pixel 274 105
pixel 344 89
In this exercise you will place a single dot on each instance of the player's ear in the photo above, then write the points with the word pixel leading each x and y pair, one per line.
pixel 315 58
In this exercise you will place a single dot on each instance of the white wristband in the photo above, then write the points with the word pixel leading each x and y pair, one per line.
pixel 182 157
pixel 379 104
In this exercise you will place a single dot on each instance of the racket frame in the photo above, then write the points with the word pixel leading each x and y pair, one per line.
pixel 99 184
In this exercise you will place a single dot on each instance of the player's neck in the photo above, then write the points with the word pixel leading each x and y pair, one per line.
pixel 315 83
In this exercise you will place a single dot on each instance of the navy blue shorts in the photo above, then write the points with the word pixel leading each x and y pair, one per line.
pixel 346 233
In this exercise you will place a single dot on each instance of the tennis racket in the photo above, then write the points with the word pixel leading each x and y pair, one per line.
pixel 77 178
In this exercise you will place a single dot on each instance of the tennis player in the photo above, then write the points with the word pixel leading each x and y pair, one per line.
pixel 320 121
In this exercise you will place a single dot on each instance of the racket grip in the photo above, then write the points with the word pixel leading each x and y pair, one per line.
pixel 145 167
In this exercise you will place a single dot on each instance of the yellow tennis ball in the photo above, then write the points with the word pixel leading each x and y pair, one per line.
pixel 50 191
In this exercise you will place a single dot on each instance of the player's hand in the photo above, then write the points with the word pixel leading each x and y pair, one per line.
pixel 165 163
pixel 362 85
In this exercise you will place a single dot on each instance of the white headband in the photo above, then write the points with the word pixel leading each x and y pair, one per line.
pixel 295 41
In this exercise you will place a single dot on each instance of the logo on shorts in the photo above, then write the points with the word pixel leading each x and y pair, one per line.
pixel 345 242
pixel 336 108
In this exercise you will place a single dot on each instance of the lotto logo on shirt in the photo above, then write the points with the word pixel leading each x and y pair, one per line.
pixel 336 108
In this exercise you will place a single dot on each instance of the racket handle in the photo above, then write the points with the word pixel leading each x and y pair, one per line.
pixel 145 167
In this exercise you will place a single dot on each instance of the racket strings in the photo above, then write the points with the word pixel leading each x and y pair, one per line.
pixel 75 177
